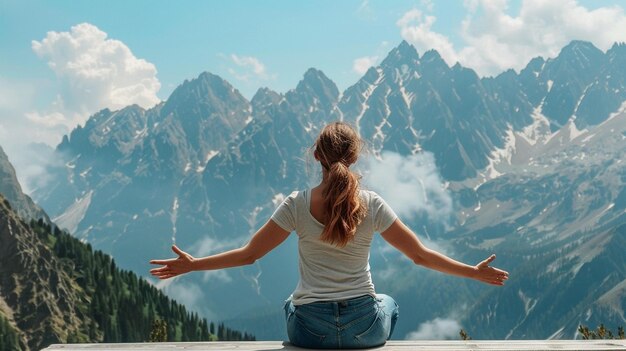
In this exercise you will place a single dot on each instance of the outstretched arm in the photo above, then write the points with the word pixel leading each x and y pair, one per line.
pixel 403 239
pixel 262 242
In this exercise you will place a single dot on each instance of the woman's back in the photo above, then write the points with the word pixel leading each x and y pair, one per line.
pixel 329 272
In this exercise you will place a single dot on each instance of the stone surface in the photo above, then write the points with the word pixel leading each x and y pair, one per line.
pixel 390 346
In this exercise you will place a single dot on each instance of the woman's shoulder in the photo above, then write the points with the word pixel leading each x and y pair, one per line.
pixel 369 194
pixel 296 197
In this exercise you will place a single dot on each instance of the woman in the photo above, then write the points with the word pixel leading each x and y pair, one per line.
pixel 334 304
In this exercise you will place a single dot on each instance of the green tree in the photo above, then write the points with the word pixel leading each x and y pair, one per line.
pixel 600 333
pixel 159 331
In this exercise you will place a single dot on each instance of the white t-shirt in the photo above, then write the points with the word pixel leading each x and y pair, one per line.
pixel 328 272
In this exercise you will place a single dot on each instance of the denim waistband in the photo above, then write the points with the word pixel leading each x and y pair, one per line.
pixel 346 305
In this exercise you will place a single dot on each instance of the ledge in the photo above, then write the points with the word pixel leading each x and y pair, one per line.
pixel 508 345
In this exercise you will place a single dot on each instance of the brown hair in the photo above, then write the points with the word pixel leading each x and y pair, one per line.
pixel 337 147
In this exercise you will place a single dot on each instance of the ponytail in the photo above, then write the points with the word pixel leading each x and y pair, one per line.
pixel 339 145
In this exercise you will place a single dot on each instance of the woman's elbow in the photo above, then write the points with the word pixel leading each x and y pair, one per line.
pixel 419 260
pixel 249 260
pixel 249 257
pixel 416 258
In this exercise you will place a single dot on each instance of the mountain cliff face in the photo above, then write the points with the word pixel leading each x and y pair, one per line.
pixel 12 191
pixel 532 161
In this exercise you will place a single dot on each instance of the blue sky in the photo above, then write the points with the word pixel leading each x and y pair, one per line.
pixel 183 39
pixel 47 86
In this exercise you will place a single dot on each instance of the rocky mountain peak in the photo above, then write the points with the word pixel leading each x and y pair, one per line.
pixel 432 63
pixel 404 53
pixel 432 57
pixel 617 53
pixel 318 87
pixel 580 55
pixel 264 97
pixel 534 66
pixel 207 89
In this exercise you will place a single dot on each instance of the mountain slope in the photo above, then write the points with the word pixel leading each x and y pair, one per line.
pixel 12 191
pixel 55 289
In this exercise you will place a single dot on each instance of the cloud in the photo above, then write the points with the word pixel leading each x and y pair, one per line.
pixel 494 40
pixel 411 185
pixel 427 4
pixel 436 329
pixel 250 68
pixel 50 120
pixel 216 276
pixel 415 27
pixel 208 246
pixel 94 72
pixel 365 11
pixel 98 71
pixel 362 64
pixel 32 162
pixel 187 293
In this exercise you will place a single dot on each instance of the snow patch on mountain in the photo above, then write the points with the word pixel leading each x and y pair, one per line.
pixel 366 95
pixel 538 130
pixel 207 158
pixel 580 99
pixel 379 135
pixel 573 131
pixel 73 215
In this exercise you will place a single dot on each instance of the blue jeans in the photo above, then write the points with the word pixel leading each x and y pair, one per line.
pixel 361 322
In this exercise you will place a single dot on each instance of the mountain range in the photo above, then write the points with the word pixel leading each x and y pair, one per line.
pixel 531 160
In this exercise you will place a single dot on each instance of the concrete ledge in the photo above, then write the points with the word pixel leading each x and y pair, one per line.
pixel 508 345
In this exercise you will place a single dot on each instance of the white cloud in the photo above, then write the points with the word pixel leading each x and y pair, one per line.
pixel 187 293
pixel 410 184
pixel 250 67
pixel 494 40
pixel 415 27
pixel 94 72
pixel 365 11
pixel 216 276
pixel 208 246
pixel 436 329
pixel 14 94
pixel 427 4
pixel 50 120
pixel 362 64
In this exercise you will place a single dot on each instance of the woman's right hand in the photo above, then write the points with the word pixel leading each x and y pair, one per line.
pixel 174 266
pixel 488 274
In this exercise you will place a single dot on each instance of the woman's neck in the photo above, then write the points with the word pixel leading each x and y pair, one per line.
pixel 324 183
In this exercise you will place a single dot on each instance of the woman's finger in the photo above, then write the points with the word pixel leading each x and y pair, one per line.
pixel 178 251
pixel 488 260
pixel 163 262
pixel 156 270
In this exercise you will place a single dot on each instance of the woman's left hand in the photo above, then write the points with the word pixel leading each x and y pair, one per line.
pixel 490 275
pixel 175 266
